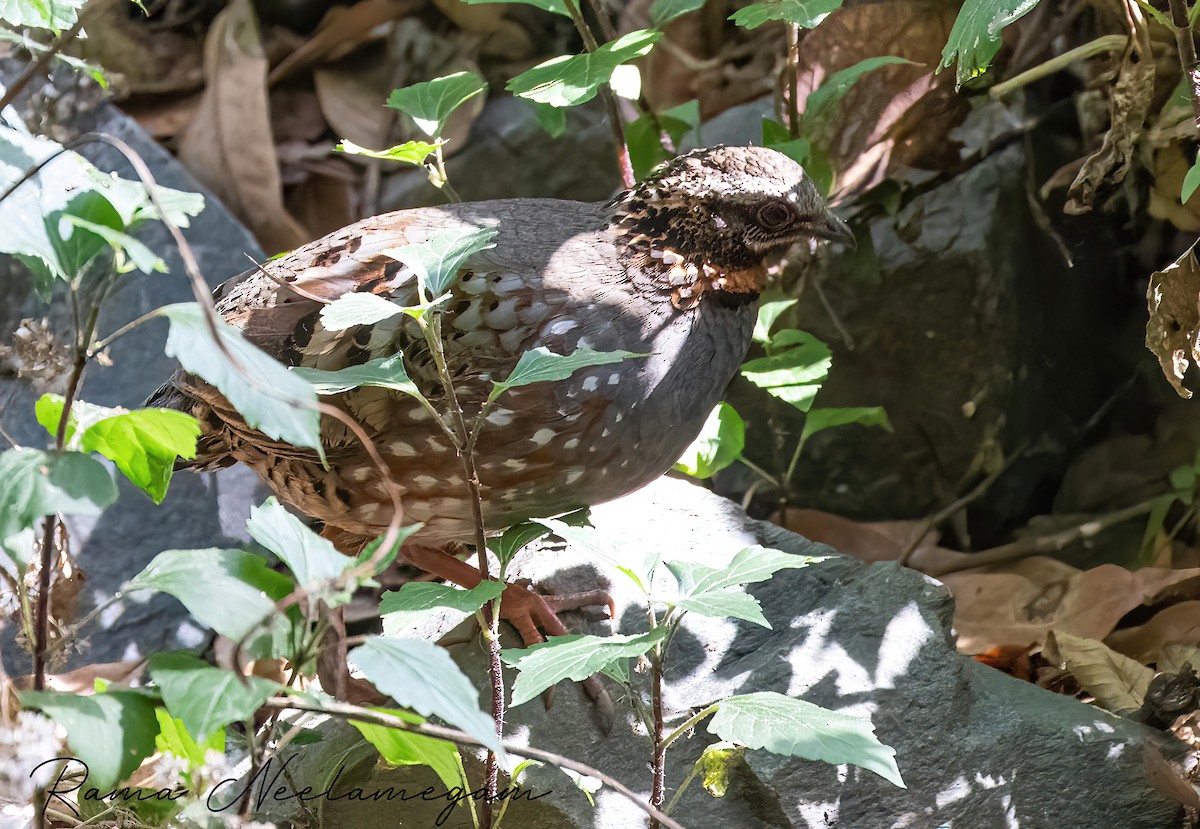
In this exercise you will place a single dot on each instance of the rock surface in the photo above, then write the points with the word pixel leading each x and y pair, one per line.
pixel 976 748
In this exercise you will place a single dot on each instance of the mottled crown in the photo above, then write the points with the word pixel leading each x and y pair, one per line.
pixel 726 172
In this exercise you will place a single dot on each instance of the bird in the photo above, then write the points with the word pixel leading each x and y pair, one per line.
pixel 670 269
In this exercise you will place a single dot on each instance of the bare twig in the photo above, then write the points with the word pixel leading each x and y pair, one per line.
pixel 39 66
pixel 353 712
pixel 1187 52
pixel 793 80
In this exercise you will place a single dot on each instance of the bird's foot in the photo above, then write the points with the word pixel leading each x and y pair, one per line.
pixel 533 613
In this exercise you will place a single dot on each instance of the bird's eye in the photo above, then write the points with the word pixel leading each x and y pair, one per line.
pixel 774 215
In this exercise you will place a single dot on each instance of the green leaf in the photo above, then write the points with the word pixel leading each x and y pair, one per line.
pixel 555 6
pixel 716 592
pixel 231 591
pixel 975 38
pixel 110 732
pixel 139 255
pixel 34 484
pixel 410 152
pixel 818 420
pixel 74 247
pixel 663 12
pixel 646 150
pixel 385 562
pixel 541 365
pixel 571 657
pixel 312 559
pixel 597 545
pixel 795 728
pixel 822 102
pixel 55 15
pixel 382 372
pixel 437 261
pixel 515 539
pixel 404 748
pixel 357 308
pixel 718 444
pixel 143 444
pixel 1191 182
pixel 404 610
pixel 552 119
pixel 807 14
pixel 795 374
pixel 569 80
pixel 272 399
pixel 423 677
pixel 173 737
pixel 204 698
pixel 717 763
pixel 769 312
pixel 429 104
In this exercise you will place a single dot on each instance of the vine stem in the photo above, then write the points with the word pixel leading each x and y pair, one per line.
pixel 353 712
pixel 606 95
pixel 1187 52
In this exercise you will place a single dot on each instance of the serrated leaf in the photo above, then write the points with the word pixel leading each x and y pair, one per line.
pixel 423 677
pixel 571 657
pixel 807 14
pixel 357 308
pixel 437 261
pixel 753 564
pixel 382 372
pixel 597 545
pixel 143 444
pixel 138 254
pixel 515 539
pixel 769 311
pixel 541 365
pixel 404 748
pixel 429 104
pixel 794 374
pixel 112 733
pixel 663 12
pixel 719 443
pixel 1191 182
pixel 555 6
pixel 55 15
pixel 231 591
pixel 206 699
pixel 724 604
pixel 34 484
pixel 975 37
pixel 271 399
pixel 1117 682
pixel 569 80
pixel 314 562
pixel 822 102
pixel 795 728
pixel 818 420
pixel 406 609
pixel 410 152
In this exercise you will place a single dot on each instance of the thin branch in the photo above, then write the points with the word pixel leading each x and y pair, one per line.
pixel 354 712
pixel 793 79
pixel 1187 52
pixel 39 66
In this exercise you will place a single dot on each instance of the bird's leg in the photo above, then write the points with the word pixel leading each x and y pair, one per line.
pixel 528 611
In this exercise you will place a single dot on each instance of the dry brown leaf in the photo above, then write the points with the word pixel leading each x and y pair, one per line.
pixel 1117 682
pixel 83 680
pixel 1128 106
pixel 1177 624
pixel 352 99
pixel 1173 658
pixel 163 116
pixel 1174 326
pixel 1170 166
pixel 1034 596
pixel 1162 775
pixel 341 30
pixel 879 541
pixel 229 146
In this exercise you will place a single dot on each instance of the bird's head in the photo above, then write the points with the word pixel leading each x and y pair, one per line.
pixel 718 215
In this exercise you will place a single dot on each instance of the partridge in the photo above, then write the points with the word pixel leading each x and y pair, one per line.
pixel 671 269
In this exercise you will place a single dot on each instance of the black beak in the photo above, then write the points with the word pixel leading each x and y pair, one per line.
pixel 832 228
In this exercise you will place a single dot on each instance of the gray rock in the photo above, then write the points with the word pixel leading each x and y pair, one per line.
pixel 206 511
pixel 976 747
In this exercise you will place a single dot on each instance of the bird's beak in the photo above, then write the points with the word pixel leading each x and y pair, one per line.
pixel 832 228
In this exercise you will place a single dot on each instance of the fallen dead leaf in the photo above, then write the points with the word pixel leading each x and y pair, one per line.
pixel 341 30
pixel 1117 682
pixel 879 541
pixel 1172 658
pixel 228 146
pixel 1039 594
pixel 352 95
pixel 83 680
pixel 1163 776
pixel 1174 327
pixel 1177 624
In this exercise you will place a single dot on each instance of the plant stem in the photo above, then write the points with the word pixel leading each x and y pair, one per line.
pixel 1099 46
pixel 39 65
pixel 659 761
pixel 609 99
pixel 1187 52
pixel 367 715
pixel 690 723
pixel 793 76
